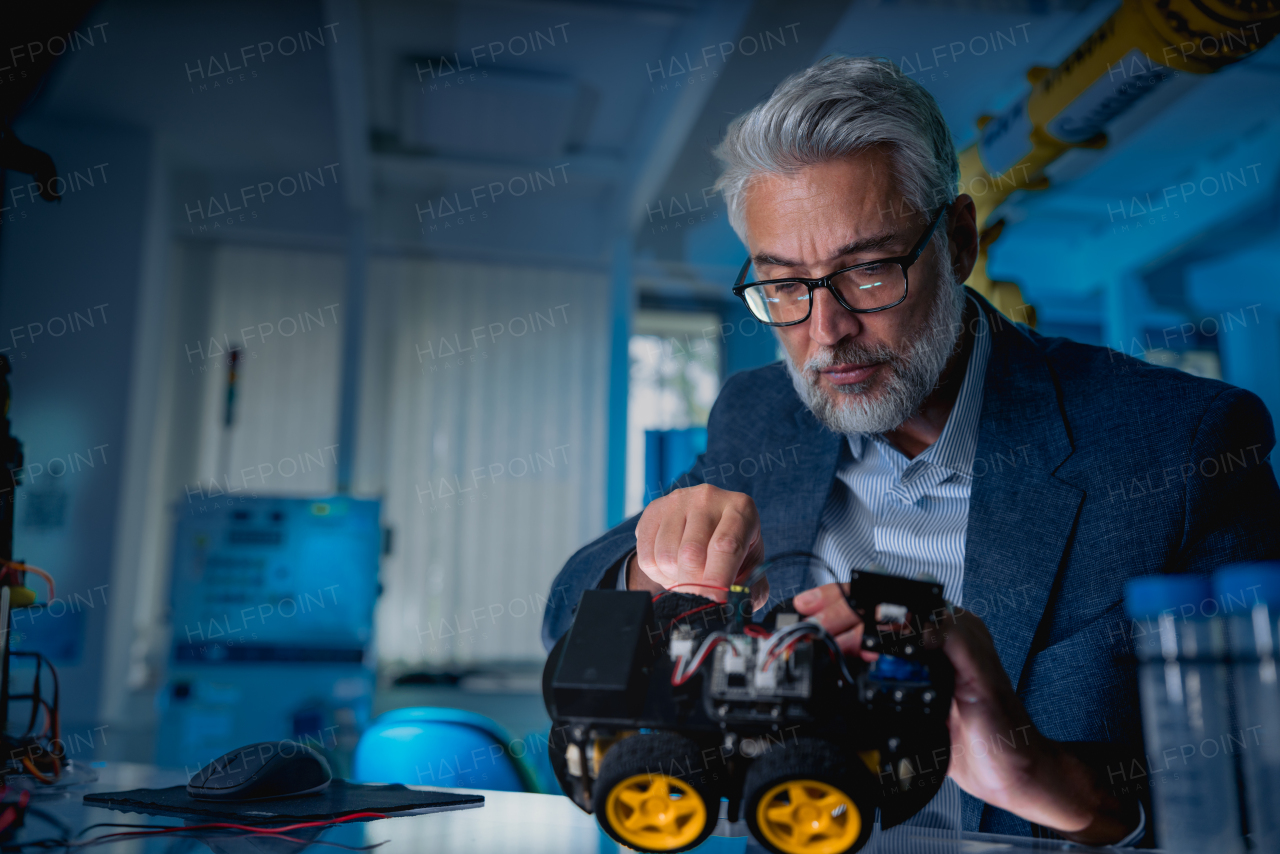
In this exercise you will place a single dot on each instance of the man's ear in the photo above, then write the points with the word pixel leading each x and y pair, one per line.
pixel 962 236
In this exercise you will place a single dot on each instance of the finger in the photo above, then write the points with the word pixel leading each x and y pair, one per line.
pixel 646 534
pixel 760 588
pixel 638 579
pixel 836 617
pixel 814 599
pixel 760 594
pixel 691 559
pixel 666 548
pixel 828 597
pixel 850 642
pixel 754 556
pixel 728 546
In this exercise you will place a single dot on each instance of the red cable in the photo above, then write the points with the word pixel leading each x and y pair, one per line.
pixel 693 668
pixel 786 649
pixel 160 831
pixel 690 584
pixel 691 612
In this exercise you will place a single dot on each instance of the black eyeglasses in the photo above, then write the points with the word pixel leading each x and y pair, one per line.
pixel 862 288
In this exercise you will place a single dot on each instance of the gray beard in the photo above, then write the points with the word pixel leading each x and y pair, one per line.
pixel 912 375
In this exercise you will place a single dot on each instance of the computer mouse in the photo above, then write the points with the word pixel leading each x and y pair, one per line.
pixel 256 772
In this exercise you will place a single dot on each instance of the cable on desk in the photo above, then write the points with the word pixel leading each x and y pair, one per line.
pixel 673 587
pixel 190 832
pixel 179 833
pixel 249 827
pixel 46 764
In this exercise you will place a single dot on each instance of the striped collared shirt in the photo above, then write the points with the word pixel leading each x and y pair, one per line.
pixel 909 516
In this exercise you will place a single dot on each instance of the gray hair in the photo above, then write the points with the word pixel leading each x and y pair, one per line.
pixel 838 107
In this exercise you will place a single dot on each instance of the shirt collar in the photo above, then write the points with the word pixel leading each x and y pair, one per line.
pixel 958 443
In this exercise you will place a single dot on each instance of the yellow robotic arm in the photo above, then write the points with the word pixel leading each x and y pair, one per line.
pixel 1134 52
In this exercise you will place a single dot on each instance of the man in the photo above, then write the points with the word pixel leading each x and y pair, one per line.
pixel 914 427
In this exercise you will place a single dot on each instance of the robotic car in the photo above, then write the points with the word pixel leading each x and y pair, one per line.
pixel 662 706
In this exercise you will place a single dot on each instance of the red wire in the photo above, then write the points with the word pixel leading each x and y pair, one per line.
pixel 786 649
pixel 691 612
pixel 755 631
pixel 12 812
pixel 690 584
pixel 694 667
pixel 160 831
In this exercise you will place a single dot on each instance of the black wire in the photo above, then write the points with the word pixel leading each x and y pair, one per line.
pixel 759 571
pixel 82 831
pixel 201 836
pixel 35 699
pixel 198 835
pixel 35 695
pixel 36 703
pixel 265 827
pixel 53 671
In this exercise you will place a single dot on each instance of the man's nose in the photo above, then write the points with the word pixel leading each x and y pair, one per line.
pixel 829 321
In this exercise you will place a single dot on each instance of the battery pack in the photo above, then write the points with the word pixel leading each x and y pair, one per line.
pixel 604 671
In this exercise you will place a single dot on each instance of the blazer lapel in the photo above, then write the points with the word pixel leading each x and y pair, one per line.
pixel 1021 517
pixel 791 505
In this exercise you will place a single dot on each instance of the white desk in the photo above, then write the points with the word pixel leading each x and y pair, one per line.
pixel 508 823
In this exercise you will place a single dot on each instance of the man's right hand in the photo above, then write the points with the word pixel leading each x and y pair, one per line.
pixel 701 535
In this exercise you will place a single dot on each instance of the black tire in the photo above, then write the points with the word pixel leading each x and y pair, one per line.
pixel 633 767
pixel 558 738
pixel 814 761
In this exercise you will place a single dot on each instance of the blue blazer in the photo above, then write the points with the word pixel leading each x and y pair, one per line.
pixel 1091 468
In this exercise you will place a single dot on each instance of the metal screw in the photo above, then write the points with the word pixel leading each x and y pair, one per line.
pixel 776 711
pixel 897 696
pixel 722 710
pixel 909 649
pixel 927 696
pixel 893 744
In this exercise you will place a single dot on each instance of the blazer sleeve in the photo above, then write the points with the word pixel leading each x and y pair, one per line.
pixel 1232 499
pixel 595 562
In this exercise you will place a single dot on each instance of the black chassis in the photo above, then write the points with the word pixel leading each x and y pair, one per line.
pixel 896 726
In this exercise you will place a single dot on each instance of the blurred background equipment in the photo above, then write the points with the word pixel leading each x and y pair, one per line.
pixel 1186 714
pixel 272 625
pixel 37 754
pixel 1249 594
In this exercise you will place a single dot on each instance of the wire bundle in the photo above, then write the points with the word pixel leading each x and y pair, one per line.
pixel 43 759
pixel 685 668
pixel 9 576
pixel 784 640
pixel 142 831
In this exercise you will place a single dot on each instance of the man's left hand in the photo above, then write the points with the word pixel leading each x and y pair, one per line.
pixel 1035 777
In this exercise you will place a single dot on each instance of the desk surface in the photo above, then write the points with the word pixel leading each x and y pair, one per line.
pixel 508 823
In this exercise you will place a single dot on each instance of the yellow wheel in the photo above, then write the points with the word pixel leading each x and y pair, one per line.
pixel 656 812
pixel 654 793
pixel 808 817
pixel 806 797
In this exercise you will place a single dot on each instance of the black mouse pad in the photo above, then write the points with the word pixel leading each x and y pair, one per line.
pixel 341 798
